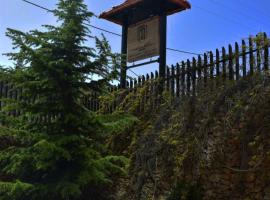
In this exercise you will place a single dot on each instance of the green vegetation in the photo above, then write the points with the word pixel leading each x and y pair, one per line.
pixel 55 149
pixel 212 145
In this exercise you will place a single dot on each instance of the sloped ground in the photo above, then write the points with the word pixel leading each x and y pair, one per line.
pixel 212 146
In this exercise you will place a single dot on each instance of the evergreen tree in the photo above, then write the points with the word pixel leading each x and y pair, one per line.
pixel 54 148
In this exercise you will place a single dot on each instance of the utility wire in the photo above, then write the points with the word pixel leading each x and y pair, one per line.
pixel 107 31
pixel 260 11
pixel 133 72
pixel 39 6
pixel 171 49
pixel 186 52
pixel 87 24
pixel 224 17
pixel 101 29
pixel 98 28
pixel 239 12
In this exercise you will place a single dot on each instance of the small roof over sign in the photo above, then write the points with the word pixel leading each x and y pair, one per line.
pixel 141 9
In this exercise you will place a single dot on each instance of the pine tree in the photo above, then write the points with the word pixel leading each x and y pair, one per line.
pixel 54 149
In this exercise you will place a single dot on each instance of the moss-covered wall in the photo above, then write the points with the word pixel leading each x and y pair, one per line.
pixel 212 146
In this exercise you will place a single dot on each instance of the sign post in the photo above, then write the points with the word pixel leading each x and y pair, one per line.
pixel 163 43
pixel 144 31
pixel 123 73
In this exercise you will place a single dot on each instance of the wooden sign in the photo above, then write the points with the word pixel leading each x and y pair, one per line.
pixel 143 40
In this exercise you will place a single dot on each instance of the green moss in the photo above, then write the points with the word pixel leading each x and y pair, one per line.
pixel 195 136
pixel 185 191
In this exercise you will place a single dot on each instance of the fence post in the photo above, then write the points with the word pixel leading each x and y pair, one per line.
pixel 199 68
pixel 172 81
pixel 139 81
pixel 168 78
pixel 211 69
pixel 152 76
pixel 230 62
pixel 224 61
pixel 140 98
pixel 251 56
pixel 115 89
pixel 211 65
pixel 128 86
pixel 266 52
pixel 9 96
pixel 135 85
pixel 147 77
pixel 149 89
pixel 217 63
pixel 95 102
pixel 178 80
pixel 156 74
pixel 205 65
pixel 144 97
pixel 183 82
pixel 157 85
pixel 194 68
pixel 244 58
pixel 20 99
pixel 131 85
pixel 258 51
pixel 217 67
pixel 237 66
pixel 143 80
pixel 1 92
pixel 5 91
pixel 152 89
pixel 16 98
pixel 188 76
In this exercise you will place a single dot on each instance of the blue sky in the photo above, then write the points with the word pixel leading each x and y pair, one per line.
pixel 210 24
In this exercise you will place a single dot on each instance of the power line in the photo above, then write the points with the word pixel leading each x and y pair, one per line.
pixel 239 12
pixel 260 11
pixel 107 31
pixel 39 6
pixel 101 29
pixel 133 72
pixel 98 28
pixel 52 11
pixel 224 17
pixel 171 49
pixel 186 52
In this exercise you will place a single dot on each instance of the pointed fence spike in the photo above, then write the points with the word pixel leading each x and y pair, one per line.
pixel 194 75
pixel 168 75
pixel 152 75
pixel 217 63
pixel 156 74
pixel 259 49
pixel 188 76
pixel 237 65
pixel 172 85
pixel 230 62
pixel 178 74
pixel 143 80
pixel 183 79
pixel 224 63
pixel 211 65
pixel 205 69
pixel 199 68
pixel 266 52
pixel 147 77
pixel 244 58
pixel 251 56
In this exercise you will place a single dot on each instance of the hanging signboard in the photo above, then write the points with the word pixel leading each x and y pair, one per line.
pixel 143 40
